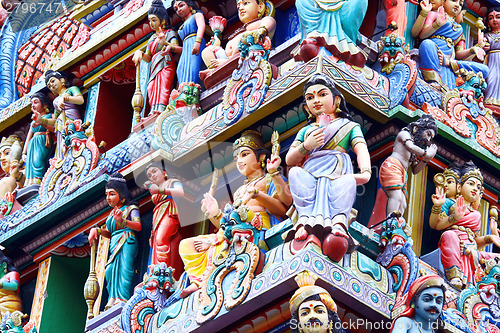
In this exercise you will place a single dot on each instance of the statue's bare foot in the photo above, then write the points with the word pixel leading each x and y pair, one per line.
pixel 189 290
pixel 309 41
pixel 457 283
pixel 206 72
pixel 110 303
pixel 301 234
pixel 339 231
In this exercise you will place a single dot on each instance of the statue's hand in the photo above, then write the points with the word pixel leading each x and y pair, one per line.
pixel 441 16
pixel 36 117
pixel 137 57
pixel 315 139
pixel 273 163
pixel 117 215
pixel 426 6
pixel 439 198
pixel 460 208
pixel 93 235
pixel 201 246
pixel 209 205
pixel 14 169
pixel 154 189
pixel 196 48
pixel 430 152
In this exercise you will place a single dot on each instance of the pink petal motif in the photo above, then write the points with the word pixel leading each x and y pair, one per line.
pixel 324 119
pixel 217 23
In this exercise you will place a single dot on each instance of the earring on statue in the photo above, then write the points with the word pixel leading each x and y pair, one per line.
pixel 193 11
pixel 412 306
pixel 262 162
pixel 337 106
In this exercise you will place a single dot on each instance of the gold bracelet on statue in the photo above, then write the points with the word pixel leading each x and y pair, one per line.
pixel 218 216
pixel 66 98
pixel 424 13
pixel 369 170
pixel 487 239
pixel 452 219
pixel 303 149
pixel 274 174
pixel 198 39
pixel 436 25
pixel 99 231
pixel 436 209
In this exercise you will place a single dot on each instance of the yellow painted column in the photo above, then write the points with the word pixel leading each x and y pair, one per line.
pixel 100 266
pixel 414 214
pixel 40 292
pixel 484 209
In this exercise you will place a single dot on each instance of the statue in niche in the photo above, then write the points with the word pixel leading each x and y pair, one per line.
pixel 428 14
pixel 413 148
pixel 120 227
pixel 461 223
pixel 165 237
pixel 422 306
pixel 312 308
pixel 265 194
pixel 39 140
pixel 66 104
pixel 159 53
pixel 10 158
pixel 255 15
pixel 442 53
pixel 333 25
pixel 9 286
pixel 322 180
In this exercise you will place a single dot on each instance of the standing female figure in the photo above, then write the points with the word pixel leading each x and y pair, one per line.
pixel 119 227
pixel 39 140
pixel 324 187
pixel 493 58
pixel 165 237
pixel 159 54
pixel 66 104
pixel 9 286
pixel 191 33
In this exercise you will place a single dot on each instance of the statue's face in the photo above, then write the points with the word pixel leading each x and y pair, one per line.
pixel 248 10
pixel 450 187
pixel 436 4
pixel 471 189
pixel 494 20
pixel 429 305
pixel 155 175
pixel 5 158
pixel 182 9
pixel 154 22
pixel 112 197
pixel 36 105
pixel 319 99
pixel 55 85
pixel 246 161
pixel 313 317
pixel 453 7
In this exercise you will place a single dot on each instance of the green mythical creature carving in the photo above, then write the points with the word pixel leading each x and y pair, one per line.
pixel 12 322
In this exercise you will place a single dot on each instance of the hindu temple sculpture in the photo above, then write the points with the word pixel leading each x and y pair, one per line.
pixel 333 25
pixel 264 193
pixel 492 36
pixel 9 286
pixel 10 159
pixel 324 186
pixel 255 15
pixel 191 32
pixel 413 148
pixel 159 53
pixel 66 105
pixel 442 53
pixel 38 145
pixel 313 309
pixel 120 227
pixel 165 237
pixel 461 223
pixel 421 306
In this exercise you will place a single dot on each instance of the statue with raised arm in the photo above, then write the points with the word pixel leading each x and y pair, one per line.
pixel 413 148
pixel 120 227
pixel 443 53
pixel 39 143
pixel 66 106
pixel 10 159
pixel 159 54
pixel 254 14
pixel 461 223
pixel 165 237
pixel 421 305
pixel 266 194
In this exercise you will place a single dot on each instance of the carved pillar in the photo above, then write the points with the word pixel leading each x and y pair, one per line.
pixel 414 214
pixel 40 292
pixel 100 266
